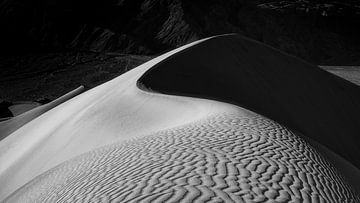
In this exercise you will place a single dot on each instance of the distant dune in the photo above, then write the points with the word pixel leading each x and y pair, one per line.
pixel 350 73
pixel 135 138
pixel 12 124
pixel 22 107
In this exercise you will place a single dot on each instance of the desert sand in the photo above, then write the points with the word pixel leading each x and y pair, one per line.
pixel 135 138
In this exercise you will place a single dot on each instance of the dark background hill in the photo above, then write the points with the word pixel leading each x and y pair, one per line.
pixel 39 35
pixel 322 32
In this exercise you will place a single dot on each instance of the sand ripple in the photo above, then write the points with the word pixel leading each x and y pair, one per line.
pixel 231 157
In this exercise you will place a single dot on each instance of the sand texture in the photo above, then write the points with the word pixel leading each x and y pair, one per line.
pixel 135 139
pixel 239 157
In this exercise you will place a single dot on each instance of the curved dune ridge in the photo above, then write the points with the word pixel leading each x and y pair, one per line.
pixel 119 143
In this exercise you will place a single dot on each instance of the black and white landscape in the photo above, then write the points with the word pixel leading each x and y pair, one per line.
pixel 180 101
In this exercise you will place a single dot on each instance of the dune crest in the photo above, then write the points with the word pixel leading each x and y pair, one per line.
pixel 117 142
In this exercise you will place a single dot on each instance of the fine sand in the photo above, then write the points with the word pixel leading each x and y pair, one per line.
pixel 120 143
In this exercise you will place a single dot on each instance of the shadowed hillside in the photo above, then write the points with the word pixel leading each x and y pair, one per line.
pixel 45 41
pixel 51 75
pixel 153 26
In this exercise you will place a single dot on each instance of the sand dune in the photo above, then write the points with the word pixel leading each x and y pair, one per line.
pixel 119 143
pixel 21 107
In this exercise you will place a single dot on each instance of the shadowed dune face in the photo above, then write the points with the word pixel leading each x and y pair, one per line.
pixel 229 157
pixel 240 71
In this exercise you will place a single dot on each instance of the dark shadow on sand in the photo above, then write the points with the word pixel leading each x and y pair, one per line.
pixel 244 72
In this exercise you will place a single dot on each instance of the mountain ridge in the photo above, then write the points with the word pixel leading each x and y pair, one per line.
pixel 155 26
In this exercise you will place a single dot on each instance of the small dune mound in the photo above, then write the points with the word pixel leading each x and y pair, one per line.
pixel 120 143
pixel 24 112
pixel 21 107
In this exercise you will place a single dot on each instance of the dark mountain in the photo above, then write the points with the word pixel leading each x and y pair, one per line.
pixel 49 47
pixel 322 32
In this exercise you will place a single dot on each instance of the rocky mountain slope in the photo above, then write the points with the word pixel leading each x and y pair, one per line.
pixel 49 47
pixel 322 32
pixel 34 77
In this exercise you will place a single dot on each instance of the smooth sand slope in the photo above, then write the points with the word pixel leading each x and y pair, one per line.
pixel 120 143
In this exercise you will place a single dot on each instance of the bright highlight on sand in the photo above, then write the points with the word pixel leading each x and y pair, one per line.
pixel 135 139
